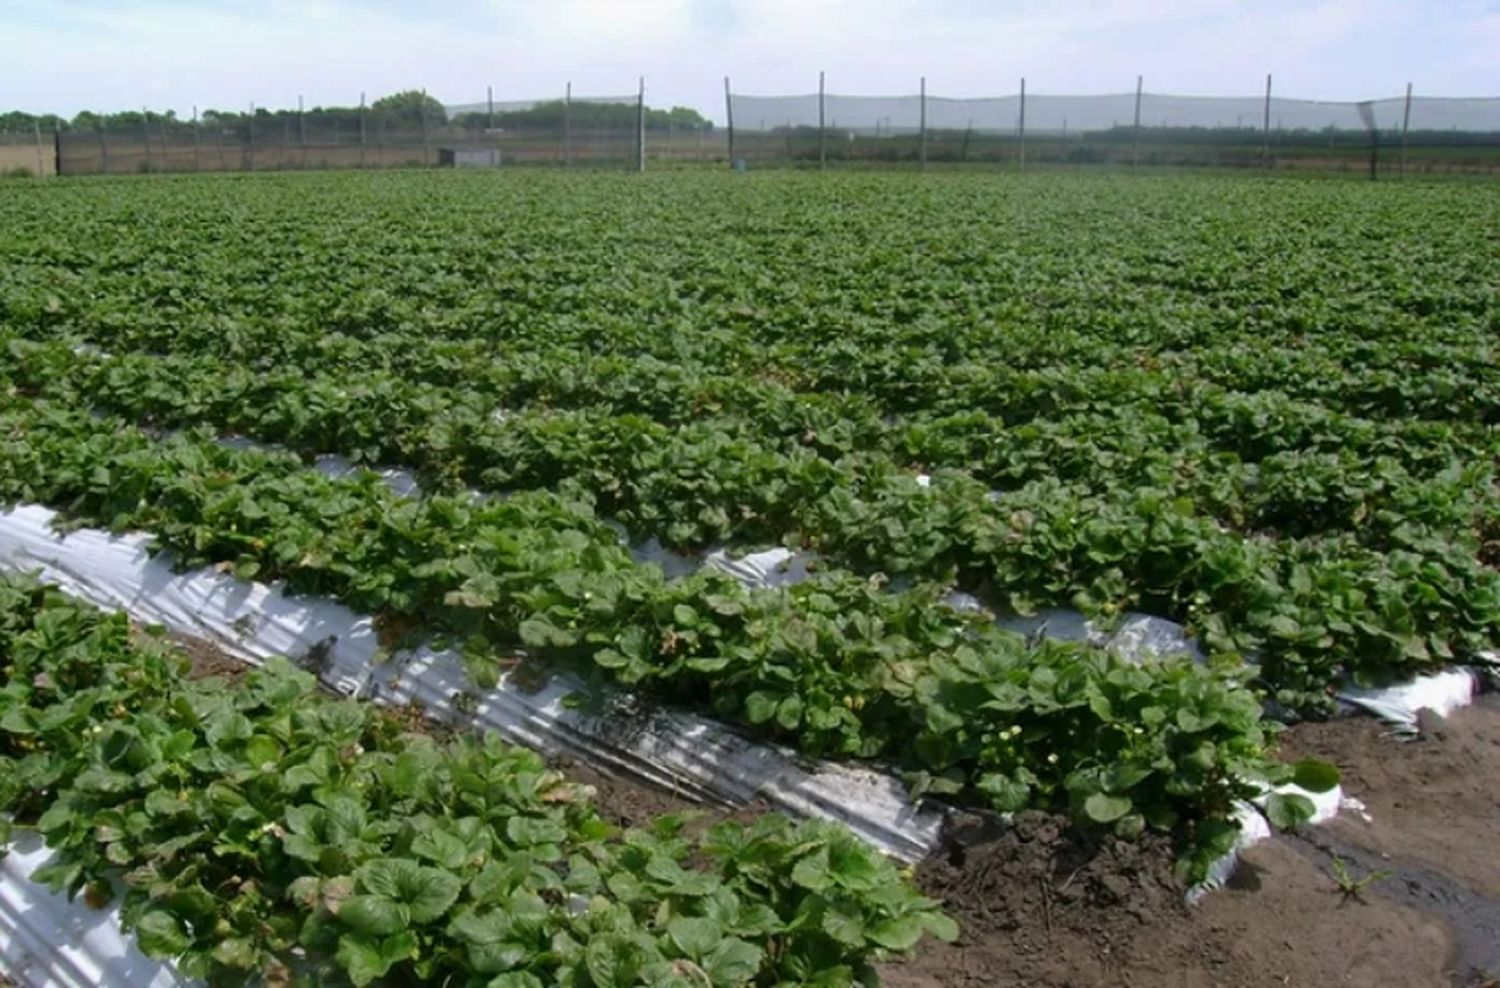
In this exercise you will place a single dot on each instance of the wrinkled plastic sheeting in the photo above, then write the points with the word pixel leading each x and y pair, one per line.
pixel 1136 638
pixel 1254 828
pixel 697 757
pixel 47 941
pixel 778 567
pixel 1399 704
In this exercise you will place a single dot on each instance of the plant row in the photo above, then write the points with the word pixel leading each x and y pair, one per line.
pixel 1370 576
pixel 839 665
pixel 265 833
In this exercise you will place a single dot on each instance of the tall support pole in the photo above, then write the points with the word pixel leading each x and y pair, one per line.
pixel 146 136
pixel 922 139
pixel 1021 124
pixel 568 126
pixel 41 162
pixel 1135 153
pixel 729 119
pixel 251 137
pixel 1405 125
pixel 103 147
pixel 423 115
pixel 640 127
pixel 197 141
pixel 822 131
pixel 361 130
pixel 1265 128
pixel 301 132
pixel 489 99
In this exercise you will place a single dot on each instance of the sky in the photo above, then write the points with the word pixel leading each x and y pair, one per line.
pixel 63 56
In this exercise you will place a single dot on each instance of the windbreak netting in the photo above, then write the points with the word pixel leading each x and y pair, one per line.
pixel 586 131
pixel 579 130
pixel 26 151
pixel 259 140
pixel 1424 134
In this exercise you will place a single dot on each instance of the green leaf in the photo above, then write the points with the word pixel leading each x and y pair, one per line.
pixel 897 933
pixel 1314 775
pixel 374 915
pixel 160 935
pixel 694 937
pixel 367 960
pixel 789 713
pixel 1286 811
pixel 812 872
pixel 845 924
pixel 940 926
pixel 760 707
pixel 431 894
pixel 1104 808
pixel 237 952
pixel 733 963
pixel 515 979
pixel 526 831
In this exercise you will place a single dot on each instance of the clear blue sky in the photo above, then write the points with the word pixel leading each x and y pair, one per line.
pixel 66 55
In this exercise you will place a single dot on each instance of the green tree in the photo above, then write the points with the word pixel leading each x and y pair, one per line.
pixel 411 106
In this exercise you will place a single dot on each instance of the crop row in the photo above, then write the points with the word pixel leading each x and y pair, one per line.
pixel 1371 570
pixel 838 665
pixel 264 833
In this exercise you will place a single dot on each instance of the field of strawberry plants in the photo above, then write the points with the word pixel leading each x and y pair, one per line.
pixel 1266 410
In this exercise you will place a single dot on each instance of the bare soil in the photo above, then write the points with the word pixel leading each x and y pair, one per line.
pixel 209 661
pixel 1434 801
pixel 1042 905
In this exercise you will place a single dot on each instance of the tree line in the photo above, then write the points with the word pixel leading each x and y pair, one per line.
pixel 407 110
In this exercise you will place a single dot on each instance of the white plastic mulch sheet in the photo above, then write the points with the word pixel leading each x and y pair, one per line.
pixel 47 941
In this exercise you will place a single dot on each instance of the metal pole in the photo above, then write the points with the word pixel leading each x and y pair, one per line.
pixel 729 119
pixel 489 98
pixel 1022 126
pixel 923 139
pixel 302 131
pixel 1405 124
pixel 361 130
pixel 1265 128
pixel 423 114
pixel 568 126
pixel 822 132
pixel 41 167
pixel 252 137
pixel 197 141
pixel 1135 154
pixel 146 137
pixel 103 147
pixel 640 112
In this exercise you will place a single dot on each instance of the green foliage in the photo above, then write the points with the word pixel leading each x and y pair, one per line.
pixel 254 822
pixel 1272 421
pixel 412 107
pixel 1350 887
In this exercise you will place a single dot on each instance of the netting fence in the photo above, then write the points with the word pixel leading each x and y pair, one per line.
pixel 567 130
pixel 28 151
pixel 1407 132
pixel 1397 135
